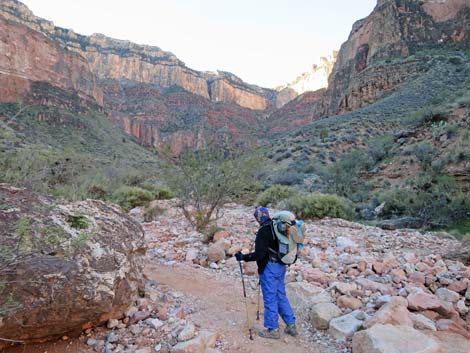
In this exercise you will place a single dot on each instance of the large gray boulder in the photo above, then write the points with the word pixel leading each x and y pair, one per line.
pixel 303 296
pixel 393 339
pixel 64 267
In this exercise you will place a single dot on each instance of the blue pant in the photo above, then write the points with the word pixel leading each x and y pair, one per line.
pixel 274 296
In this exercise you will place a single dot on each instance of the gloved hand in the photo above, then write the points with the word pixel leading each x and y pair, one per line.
pixel 239 256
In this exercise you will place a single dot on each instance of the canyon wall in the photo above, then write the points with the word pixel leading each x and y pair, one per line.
pixel 27 56
pixel 378 55
pixel 123 60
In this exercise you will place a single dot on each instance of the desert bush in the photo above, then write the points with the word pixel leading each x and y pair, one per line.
pixel 437 201
pixel 425 153
pixel 380 148
pixel 275 194
pixel 205 180
pixel 288 178
pixel 318 205
pixel 129 197
pixel 344 176
pixel 158 192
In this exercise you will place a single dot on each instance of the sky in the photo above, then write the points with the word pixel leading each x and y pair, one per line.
pixel 264 42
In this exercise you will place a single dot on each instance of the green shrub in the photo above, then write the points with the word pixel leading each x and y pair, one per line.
pixel 319 205
pixel 380 147
pixel 158 192
pixel 425 153
pixel 77 222
pixel 275 194
pixel 397 201
pixel 129 197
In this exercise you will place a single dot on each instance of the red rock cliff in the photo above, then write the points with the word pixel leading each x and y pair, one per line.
pixel 123 60
pixel 27 56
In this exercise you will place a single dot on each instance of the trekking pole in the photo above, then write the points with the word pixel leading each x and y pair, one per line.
pixel 244 298
pixel 257 311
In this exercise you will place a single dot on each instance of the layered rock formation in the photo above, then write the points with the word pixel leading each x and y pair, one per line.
pixel 27 56
pixel 73 265
pixel 123 60
pixel 174 117
pixel 375 59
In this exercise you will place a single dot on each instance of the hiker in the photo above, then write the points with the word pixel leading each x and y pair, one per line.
pixel 272 275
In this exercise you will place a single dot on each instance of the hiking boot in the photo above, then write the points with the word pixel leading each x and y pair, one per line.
pixel 291 330
pixel 269 333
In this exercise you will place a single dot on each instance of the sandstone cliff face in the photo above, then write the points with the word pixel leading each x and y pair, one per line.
pixel 174 117
pixel 27 56
pixel 396 28
pixel 123 60
pixel 316 78
pixel 375 59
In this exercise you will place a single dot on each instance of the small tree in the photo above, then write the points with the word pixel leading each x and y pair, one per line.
pixel 323 134
pixel 205 180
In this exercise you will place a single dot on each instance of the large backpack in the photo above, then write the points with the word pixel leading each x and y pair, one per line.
pixel 289 234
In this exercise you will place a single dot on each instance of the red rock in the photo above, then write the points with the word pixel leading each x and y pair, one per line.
pixel 398 275
pixel 417 277
pixel 430 314
pixel 458 286
pixel 378 267
pixel 450 325
pixel 362 265
pixel 221 234
pixel 162 314
pixel 348 302
pixel 423 301
pixel 375 286
pixel 395 313
pixel 315 275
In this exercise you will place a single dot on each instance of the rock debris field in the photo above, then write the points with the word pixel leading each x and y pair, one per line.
pixel 355 288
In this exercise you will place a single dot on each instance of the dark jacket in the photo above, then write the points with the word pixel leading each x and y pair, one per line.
pixel 265 240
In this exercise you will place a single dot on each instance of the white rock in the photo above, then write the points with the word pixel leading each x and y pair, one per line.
pixel 421 322
pixel 321 314
pixel 189 331
pixel 447 295
pixel 393 339
pixel 344 326
pixel 344 242
pixel 155 323
pixel 302 296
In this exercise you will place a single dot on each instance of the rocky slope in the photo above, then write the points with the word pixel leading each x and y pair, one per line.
pixel 377 57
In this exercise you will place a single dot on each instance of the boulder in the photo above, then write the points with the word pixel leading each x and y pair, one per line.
pixel 373 286
pixel 394 312
pixel 216 251
pixel 80 264
pixel 348 302
pixel 322 313
pixel 221 234
pixel 302 296
pixel 447 295
pixel 344 326
pixel 200 344
pixel 423 301
pixel 398 223
pixel 393 339
pixel 421 322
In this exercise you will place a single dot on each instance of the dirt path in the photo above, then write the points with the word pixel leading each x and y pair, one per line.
pixel 219 300
pixel 218 305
